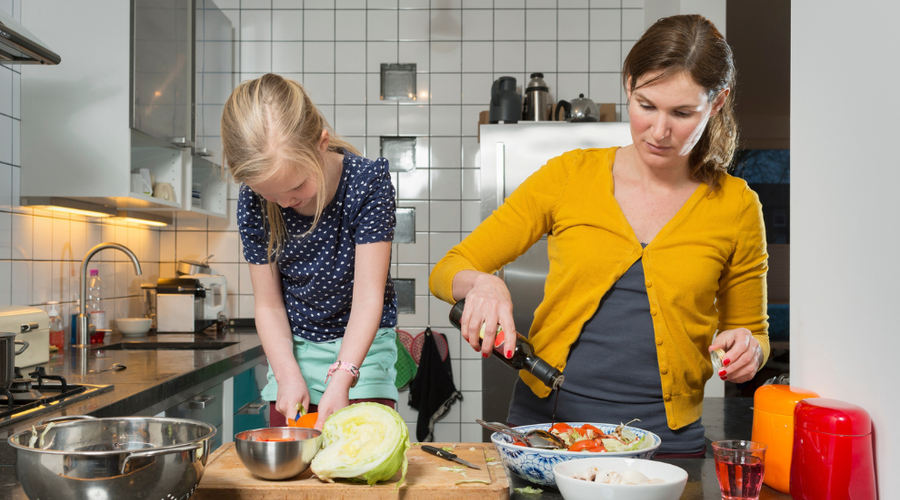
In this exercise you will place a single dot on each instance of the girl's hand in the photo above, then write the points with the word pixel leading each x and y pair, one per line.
pixel 742 354
pixel 336 396
pixel 488 303
pixel 290 393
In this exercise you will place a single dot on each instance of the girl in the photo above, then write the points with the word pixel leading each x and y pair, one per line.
pixel 316 222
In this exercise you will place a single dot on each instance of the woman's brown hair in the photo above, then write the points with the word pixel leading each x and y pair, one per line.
pixel 691 44
pixel 271 123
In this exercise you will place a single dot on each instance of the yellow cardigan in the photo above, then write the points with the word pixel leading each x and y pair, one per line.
pixel 705 270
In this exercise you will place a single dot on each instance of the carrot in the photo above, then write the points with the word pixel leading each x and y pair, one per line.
pixel 308 421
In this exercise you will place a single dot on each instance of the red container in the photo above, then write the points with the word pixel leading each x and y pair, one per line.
pixel 832 458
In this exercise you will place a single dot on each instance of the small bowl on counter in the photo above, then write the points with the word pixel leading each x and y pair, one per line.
pixel 277 452
pixel 576 479
pixel 536 465
pixel 133 327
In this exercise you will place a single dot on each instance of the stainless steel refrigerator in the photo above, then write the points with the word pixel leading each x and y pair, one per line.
pixel 509 154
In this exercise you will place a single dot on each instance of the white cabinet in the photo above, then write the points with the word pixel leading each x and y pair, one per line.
pixel 121 101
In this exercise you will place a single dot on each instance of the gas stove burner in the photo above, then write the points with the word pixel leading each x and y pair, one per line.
pixel 22 391
pixel 21 384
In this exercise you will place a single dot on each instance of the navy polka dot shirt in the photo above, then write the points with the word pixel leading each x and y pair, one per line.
pixel 317 271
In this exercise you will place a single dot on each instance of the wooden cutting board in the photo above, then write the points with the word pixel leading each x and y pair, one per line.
pixel 428 478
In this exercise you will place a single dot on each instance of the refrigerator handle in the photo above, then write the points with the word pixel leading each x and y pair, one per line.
pixel 500 169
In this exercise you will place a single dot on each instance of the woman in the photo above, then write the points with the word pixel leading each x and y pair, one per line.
pixel 316 222
pixel 653 248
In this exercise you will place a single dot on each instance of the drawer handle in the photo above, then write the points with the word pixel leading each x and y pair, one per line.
pixel 252 409
pixel 29 327
pixel 200 402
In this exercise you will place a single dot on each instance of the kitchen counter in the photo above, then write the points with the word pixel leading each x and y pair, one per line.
pixel 153 381
pixel 723 417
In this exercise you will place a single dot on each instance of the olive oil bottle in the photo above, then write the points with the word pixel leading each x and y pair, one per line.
pixel 523 357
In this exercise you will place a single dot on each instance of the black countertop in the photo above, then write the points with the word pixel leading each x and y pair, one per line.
pixel 153 381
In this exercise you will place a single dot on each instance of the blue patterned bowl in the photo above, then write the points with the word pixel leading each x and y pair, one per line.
pixel 537 465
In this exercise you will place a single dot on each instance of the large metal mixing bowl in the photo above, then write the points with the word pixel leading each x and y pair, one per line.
pixel 112 458
pixel 284 458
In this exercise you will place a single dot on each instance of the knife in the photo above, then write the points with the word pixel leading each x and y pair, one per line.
pixel 446 455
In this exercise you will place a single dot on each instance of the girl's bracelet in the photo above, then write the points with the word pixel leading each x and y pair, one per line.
pixel 346 366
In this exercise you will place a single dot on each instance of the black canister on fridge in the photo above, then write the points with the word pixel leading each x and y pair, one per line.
pixel 506 104
pixel 523 357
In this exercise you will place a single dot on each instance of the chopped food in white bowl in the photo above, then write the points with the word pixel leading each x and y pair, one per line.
pixel 597 475
pixel 610 478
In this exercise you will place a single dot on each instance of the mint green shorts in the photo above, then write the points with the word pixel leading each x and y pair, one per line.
pixel 376 375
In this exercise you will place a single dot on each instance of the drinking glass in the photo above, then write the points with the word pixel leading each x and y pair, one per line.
pixel 740 466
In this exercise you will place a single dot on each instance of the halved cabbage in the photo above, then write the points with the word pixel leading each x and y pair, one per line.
pixel 364 442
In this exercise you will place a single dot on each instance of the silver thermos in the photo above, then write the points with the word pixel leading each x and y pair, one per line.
pixel 537 100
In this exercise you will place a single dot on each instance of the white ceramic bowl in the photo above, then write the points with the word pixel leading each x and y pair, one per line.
pixel 576 489
pixel 133 327
pixel 536 465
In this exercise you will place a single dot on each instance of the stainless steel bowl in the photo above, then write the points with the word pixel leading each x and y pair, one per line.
pixel 277 459
pixel 110 458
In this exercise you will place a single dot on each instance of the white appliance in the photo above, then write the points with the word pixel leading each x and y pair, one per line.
pixel 33 326
pixel 509 154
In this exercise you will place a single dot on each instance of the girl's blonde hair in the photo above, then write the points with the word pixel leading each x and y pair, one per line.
pixel 692 44
pixel 270 123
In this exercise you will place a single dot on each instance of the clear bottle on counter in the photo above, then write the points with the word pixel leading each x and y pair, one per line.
pixel 94 303
pixel 57 331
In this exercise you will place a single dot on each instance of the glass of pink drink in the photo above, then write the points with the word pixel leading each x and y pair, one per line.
pixel 740 466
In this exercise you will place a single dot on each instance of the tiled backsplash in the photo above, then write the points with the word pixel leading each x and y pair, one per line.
pixel 336 48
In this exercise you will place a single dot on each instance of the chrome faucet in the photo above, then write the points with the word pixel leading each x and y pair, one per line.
pixel 83 318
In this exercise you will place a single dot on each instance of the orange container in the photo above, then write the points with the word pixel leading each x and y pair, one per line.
pixel 773 424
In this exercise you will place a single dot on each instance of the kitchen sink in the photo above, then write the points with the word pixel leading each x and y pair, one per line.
pixel 176 346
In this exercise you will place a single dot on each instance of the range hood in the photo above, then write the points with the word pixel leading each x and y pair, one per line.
pixel 19 46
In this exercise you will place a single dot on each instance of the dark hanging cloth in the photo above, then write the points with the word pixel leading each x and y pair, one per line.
pixel 432 391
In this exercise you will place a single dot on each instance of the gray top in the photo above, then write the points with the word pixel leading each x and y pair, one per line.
pixel 612 374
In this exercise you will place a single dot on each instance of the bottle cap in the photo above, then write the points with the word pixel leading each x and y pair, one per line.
pixel 718 359
pixel 95 272
pixel 53 310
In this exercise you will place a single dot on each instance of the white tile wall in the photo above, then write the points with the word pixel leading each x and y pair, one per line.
pixel 335 47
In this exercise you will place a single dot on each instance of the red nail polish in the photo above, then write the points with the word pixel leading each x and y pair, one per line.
pixel 509 354
pixel 724 378
pixel 722 373
pixel 726 361
pixel 485 354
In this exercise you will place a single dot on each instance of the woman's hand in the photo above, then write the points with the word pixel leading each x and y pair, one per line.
pixel 290 393
pixel 488 303
pixel 742 354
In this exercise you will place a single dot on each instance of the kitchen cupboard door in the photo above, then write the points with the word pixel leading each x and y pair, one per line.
pixel 161 90
pixel 206 407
